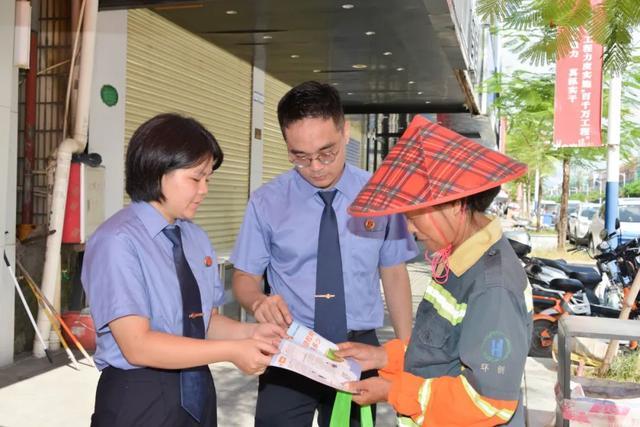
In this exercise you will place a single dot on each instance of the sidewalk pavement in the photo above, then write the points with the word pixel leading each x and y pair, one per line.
pixel 539 379
pixel 32 394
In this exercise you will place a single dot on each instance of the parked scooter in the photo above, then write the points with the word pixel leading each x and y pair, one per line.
pixel 620 265
pixel 558 288
pixel 550 303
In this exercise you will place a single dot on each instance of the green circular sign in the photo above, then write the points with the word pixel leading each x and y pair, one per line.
pixel 109 95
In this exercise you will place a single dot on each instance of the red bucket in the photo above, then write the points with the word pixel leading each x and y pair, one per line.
pixel 81 325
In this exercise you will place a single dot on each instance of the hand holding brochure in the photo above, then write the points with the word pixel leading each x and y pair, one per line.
pixel 311 355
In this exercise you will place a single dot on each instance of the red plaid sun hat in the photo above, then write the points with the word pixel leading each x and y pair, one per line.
pixel 431 165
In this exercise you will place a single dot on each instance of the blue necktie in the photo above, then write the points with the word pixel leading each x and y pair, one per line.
pixel 330 310
pixel 193 381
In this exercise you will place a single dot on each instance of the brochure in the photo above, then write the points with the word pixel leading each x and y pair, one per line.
pixel 311 355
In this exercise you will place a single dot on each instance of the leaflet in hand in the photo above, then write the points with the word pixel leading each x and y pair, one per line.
pixel 311 355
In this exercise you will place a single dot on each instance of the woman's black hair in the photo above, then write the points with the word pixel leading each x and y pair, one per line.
pixel 162 144
pixel 480 202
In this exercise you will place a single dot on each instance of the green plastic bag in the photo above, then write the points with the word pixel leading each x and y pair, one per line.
pixel 342 411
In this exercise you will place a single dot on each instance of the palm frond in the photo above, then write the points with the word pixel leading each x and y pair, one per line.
pixel 490 10
pixel 526 20
pixel 631 10
pixel 540 52
pixel 598 26
pixel 573 13
pixel 566 38
pixel 610 23
pixel 576 13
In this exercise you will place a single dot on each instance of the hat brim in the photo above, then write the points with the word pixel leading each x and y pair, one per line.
pixel 429 166
pixel 414 207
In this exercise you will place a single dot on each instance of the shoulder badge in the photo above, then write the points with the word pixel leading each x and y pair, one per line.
pixel 369 224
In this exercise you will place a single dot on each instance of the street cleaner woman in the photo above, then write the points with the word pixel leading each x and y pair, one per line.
pixel 464 363
pixel 153 286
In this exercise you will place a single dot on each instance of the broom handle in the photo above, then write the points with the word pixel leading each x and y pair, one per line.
pixel 26 307
pixel 55 313
pixel 54 325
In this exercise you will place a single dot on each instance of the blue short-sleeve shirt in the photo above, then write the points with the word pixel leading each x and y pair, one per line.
pixel 128 269
pixel 280 234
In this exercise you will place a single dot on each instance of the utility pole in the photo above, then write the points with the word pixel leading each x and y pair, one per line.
pixel 613 153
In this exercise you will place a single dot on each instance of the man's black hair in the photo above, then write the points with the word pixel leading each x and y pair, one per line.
pixel 310 100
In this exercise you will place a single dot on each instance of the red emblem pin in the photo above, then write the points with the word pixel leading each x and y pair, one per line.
pixel 208 261
pixel 369 224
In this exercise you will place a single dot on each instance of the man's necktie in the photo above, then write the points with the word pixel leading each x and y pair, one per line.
pixel 193 381
pixel 330 309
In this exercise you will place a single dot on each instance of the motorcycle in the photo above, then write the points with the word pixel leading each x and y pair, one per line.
pixel 620 264
pixel 560 288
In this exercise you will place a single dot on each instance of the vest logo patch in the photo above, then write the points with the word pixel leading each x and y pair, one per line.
pixel 496 347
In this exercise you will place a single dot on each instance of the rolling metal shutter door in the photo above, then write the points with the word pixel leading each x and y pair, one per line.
pixel 172 70
pixel 354 147
pixel 275 159
pixel 353 152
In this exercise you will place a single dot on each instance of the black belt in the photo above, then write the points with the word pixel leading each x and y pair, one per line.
pixel 143 374
pixel 351 335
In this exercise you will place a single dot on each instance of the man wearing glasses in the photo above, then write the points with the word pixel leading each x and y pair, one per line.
pixel 324 266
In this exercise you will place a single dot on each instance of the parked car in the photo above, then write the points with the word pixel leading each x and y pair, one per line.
pixel 549 213
pixel 580 221
pixel 629 216
pixel 572 207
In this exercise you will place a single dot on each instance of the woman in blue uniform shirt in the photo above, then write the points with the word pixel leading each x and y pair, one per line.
pixel 153 287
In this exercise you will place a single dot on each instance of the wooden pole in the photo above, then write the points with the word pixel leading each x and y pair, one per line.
pixel 48 304
pixel 627 305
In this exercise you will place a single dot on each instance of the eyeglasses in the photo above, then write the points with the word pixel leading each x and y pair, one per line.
pixel 324 157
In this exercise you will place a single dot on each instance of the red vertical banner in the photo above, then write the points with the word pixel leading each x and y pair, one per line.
pixel 578 95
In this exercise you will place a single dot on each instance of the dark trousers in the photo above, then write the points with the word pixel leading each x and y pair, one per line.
pixel 146 397
pixel 289 399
